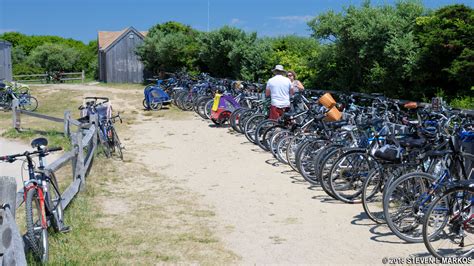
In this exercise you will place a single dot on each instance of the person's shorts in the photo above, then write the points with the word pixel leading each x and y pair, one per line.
pixel 276 112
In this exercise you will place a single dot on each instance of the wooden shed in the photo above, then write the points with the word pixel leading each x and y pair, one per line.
pixel 118 61
pixel 5 60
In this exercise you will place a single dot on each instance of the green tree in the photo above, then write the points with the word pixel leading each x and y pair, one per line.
pixel 55 57
pixel 446 58
pixel 295 53
pixel 370 48
pixel 249 58
pixel 169 47
pixel 215 48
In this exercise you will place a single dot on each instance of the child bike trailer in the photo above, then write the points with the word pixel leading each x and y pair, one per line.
pixel 155 98
pixel 222 108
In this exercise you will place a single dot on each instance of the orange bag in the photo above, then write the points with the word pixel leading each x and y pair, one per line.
pixel 333 115
pixel 410 105
pixel 327 100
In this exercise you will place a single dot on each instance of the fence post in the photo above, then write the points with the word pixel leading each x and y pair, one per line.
pixel 46 77
pixel 8 192
pixel 67 117
pixel 16 114
pixel 11 243
pixel 83 76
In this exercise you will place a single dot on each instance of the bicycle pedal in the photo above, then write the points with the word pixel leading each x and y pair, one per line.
pixel 65 229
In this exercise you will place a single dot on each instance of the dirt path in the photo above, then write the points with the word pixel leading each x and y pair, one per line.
pixel 12 169
pixel 266 213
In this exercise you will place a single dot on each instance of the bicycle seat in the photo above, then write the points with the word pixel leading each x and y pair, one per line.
pixel 37 143
pixel 2 85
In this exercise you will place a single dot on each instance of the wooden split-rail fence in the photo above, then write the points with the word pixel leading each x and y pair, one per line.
pixel 48 78
pixel 84 143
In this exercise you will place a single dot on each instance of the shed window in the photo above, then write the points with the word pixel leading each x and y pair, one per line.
pixel 131 36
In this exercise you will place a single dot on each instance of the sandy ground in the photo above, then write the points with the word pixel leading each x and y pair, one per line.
pixel 267 213
pixel 12 169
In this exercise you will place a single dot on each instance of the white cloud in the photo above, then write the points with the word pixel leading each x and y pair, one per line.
pixel 294 19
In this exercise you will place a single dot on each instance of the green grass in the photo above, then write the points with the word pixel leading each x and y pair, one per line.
pixel 55 138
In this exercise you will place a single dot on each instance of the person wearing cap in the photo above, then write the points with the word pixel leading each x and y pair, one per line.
pixel 279 88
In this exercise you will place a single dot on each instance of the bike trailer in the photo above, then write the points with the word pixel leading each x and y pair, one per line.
pixel 222 108
pixel 156 95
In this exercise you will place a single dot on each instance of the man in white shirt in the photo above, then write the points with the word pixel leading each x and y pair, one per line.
pixel 279 89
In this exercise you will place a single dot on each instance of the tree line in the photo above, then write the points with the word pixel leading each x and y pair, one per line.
pixel 37 54
pixel 403 50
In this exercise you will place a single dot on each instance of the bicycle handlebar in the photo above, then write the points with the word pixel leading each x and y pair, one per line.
pixel 11 158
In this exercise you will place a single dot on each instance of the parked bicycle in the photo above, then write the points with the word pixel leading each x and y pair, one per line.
pixel 42 199
pixel 108 137
pixel 11 91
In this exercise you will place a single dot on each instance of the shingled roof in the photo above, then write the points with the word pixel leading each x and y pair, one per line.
pixel 106 38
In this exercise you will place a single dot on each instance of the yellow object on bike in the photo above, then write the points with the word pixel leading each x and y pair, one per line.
pixel 217 98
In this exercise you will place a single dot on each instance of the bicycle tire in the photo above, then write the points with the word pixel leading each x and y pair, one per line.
pixel 251 127
pixel 423 182
pixel 234 119
pixel 54 204
pixel 260 131
pixel 117 144
pixel 36 234
pixel 33 103
pixel 340 181
pixel 450 194
pixel 374 195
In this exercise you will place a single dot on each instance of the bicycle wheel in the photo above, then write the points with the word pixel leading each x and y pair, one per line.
pixel 404 204
pixel 208 108
pixel 305 156
pixel 244 116
pixel 117 144
pixel 105 145
pixel 54 205
pixel 36 225
pixel 201 107
pixel 5 102
pixel 282 148
pixel 278 135
pixel 268 134
pixel 261 129
pixel 324 170
pixel 234 119
pixel 293 146
pixel 348 174
pixel 372 197
pixel 28 102
pixel 251 127
pixel 448 230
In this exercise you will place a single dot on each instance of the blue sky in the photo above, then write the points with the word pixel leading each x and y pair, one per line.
pixel 82 19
